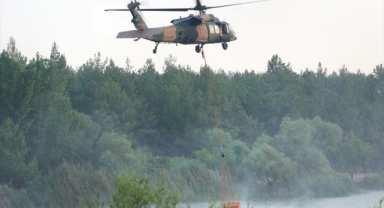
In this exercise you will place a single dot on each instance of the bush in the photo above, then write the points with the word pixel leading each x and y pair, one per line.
pixel 67 186
pixel 338 185
pixel 138 192
pixel 14 198
pixel 380 205
pixel 195 180
pixel 375 182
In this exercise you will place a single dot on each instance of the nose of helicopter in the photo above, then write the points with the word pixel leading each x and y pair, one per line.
pixel 233 36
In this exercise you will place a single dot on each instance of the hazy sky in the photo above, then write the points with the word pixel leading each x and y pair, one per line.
pixel 302 32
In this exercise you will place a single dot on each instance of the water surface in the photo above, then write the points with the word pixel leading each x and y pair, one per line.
pixel 366 200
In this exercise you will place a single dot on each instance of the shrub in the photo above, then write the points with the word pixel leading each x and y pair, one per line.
pixel 66 186
pixel 195 180
pixel 327 186
pixel 380 204
pixel 375 182
pixel 14 198
pixel 135 192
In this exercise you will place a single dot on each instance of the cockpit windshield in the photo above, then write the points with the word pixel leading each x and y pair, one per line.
pixel 229 27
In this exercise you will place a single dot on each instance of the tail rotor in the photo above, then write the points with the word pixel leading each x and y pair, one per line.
pixel 138 4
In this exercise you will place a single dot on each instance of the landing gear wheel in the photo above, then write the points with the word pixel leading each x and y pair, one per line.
pixel 155 50
pixel 225 45
pixel 197 49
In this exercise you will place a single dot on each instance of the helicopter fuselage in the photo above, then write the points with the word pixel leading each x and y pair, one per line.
pixel 204 29
pixel 195 29
pixel 200 29
pixel 204 33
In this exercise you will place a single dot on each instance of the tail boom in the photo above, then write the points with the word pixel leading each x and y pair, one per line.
pixel 158 34
pixel 149 34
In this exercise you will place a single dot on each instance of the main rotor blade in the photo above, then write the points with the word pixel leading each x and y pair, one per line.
pixel 198 7
pixel 214 7
pixel 168 10
pixel 107 10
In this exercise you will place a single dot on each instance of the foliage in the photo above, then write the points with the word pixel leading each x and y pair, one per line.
pixel 324 186
pixel 96 202
pixel 67 185
pixel 270 166
pixel 297 135
pixel 13 198
pixel 375 182
pixel 195 180
pixel 13 149
pixel 137 192
pixel 355 154
pixel 64 130
pixel 380 204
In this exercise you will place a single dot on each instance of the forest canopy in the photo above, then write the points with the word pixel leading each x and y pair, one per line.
pixel 61 125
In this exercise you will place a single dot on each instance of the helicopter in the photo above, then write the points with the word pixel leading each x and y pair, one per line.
pixel 197 29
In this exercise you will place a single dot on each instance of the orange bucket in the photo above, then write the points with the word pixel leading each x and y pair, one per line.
pixel 232 205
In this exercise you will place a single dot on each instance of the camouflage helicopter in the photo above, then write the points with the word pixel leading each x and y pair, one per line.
pixel 198 29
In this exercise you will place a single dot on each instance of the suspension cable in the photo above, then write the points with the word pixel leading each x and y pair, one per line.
pixel 226 178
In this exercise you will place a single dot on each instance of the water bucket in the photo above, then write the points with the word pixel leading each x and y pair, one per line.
pixel 232 205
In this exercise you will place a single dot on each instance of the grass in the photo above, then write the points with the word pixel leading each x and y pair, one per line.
pixel 380 204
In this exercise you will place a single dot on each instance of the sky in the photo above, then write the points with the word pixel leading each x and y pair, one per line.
pixel 301 32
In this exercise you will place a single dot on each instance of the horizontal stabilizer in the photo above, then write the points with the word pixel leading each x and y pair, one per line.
pixel 129 34
pixel 146 34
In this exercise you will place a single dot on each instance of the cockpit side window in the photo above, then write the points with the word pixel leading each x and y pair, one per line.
pixel 217 29
pixel 225 28
pixel 211 29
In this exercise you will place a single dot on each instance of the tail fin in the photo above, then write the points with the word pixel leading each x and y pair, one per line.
pixel 137 19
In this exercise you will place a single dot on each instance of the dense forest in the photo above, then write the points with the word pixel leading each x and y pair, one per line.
pixel 65 131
